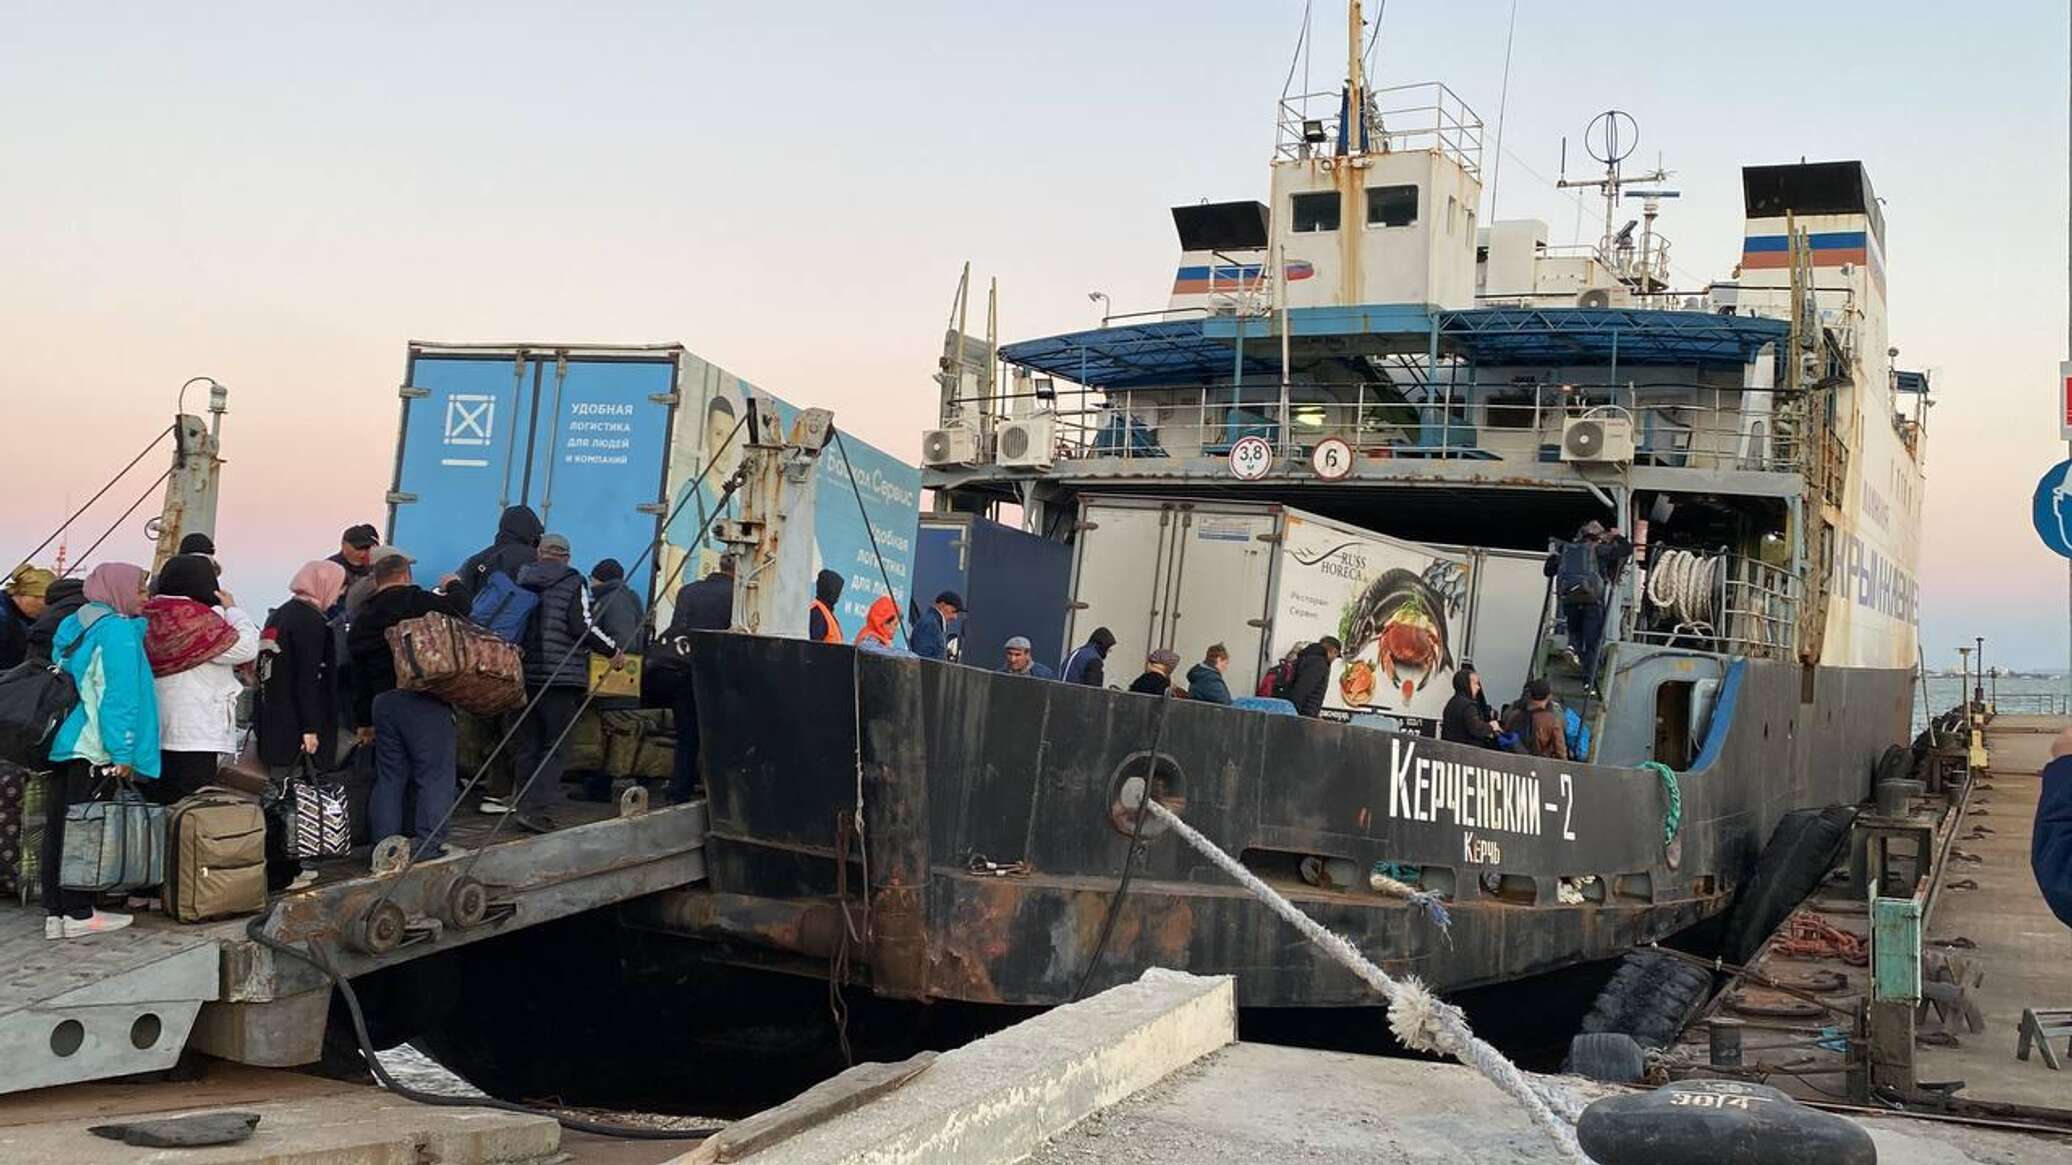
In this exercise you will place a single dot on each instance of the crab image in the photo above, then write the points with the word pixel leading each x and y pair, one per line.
pixel 1405 617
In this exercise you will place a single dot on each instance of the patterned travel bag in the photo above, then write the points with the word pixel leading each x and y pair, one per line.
pixel 315 815
pixel 460 663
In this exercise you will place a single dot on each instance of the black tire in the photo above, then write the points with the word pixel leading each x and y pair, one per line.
pixel 1801 851
pixel 1648 999
pixel 1610 1057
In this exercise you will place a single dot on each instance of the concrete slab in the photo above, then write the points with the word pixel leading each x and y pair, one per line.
pixel 1255 1102
pixel 997 1099
pixel 2025 951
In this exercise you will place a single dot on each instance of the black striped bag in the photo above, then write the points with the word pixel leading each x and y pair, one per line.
pixel 315 813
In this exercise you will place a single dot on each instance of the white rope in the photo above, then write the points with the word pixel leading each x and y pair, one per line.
pixel 1420 1019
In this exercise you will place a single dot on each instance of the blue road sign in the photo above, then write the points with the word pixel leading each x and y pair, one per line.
pixel 2052 511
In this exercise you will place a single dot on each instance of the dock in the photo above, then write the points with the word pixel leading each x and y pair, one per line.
pixel 136 1000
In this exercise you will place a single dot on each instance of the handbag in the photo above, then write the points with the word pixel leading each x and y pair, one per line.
pixel 113 845
pixel 316 814
pixel 35 698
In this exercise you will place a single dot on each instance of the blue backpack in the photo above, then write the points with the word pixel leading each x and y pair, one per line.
pixel 1577 734
pixel 503 607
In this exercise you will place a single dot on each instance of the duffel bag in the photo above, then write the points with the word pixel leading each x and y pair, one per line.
pixel 639 743
pixel 34 699
pixel 460 663
pixel 113 844
pixel 217 866
pixel 316 815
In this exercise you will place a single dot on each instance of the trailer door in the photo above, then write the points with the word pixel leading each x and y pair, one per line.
pixel 460 453
pixel 1222 562
pixel 600 439
pixel 1120 581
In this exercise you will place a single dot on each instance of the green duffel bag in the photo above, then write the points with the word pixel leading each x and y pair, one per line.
pixel 639 743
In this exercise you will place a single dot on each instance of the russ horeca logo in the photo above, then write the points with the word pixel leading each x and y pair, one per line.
pixel 470 419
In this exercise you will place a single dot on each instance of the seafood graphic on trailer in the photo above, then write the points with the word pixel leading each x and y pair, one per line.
pixel 1393 606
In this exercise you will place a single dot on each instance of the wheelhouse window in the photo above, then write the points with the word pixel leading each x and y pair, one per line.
pixel 1314 212
pixel 1391 206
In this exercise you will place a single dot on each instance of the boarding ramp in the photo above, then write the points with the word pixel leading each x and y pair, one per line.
pixel 132 1001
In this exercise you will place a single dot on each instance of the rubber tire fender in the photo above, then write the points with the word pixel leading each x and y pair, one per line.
pixel 1609 1057
pixel 1648 999
pixel 1801 851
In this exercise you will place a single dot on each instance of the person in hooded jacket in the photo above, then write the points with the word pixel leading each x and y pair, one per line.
pixel 705 605
pixel 111 732
pixel 297 714
pixel 195 636
pixel 1084 665
pixel 1466 719
pixel 880 626
pixel 821 624
pixel 65 596
pixel 515 548
pixel 1313 677
pixel 1205 680
pixel 558 640
pixel 20 606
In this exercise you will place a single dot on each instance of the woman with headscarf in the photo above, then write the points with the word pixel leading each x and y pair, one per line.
pixel 195 636
pixel 880 624
pixel 113 729
pixel 298 684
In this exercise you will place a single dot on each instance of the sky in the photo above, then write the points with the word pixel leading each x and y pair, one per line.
pixel 282 196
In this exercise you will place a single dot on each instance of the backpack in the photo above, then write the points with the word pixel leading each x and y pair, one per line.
pixel 1576 577
pixel 503 607
pixel 1575 734
pixel 1277 680
pixel 35 698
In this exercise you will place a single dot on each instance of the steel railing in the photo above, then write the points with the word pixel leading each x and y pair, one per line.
pixel 1422 116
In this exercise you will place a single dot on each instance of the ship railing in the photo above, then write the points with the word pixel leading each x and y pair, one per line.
pixel 1675 426
pixel 1726 603
pixel 1422 116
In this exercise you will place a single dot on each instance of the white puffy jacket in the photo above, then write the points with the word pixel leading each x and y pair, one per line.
pixel 197 708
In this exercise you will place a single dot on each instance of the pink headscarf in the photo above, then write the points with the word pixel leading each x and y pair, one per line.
pixel 119 585
pixel 318 583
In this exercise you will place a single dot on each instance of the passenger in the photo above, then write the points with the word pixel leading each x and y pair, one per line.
pixel 1279 679
pixel 195 637
pixel 821 624
pixel 1583 572
pixel 1467 719
pixel 297 708
pixel 113 728
pixel 65 596
pixel 1020 661
pixel 2050 840
pixel 20 607
pixel 1538 724
pixel 1157 679
pixel 558 640
pixel 1205 679
pixel 931 638
pixel 1312 677
pixel 1083 666
pixel 618 614
pixel 515 548
pixel 880 624
pixel 355 550
pixel 202 544
pixel 705 605
pixel 412 732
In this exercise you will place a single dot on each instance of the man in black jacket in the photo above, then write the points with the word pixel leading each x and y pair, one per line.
pixel 515 548
pixel 1313 676
pixel 705 605
pixel 412 732
pixel 1466 719
pixel 558 640
pixel 1584 572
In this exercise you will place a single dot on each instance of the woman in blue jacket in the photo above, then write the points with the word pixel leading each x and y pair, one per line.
pixel 112 731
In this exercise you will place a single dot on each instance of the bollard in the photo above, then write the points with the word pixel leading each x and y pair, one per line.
pixel 1725 1042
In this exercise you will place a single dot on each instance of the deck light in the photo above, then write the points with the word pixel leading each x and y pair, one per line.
pixel 1312 131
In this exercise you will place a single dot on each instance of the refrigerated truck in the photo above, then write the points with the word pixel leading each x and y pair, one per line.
pixel 606 443
pixel 1263 579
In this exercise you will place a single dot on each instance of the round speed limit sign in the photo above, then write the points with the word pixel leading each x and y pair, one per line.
pixel 1332 458
pixel 1251 458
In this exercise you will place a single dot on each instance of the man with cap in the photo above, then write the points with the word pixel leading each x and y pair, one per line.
pixel 1157 679
pixel 19 608
pixel 412 732
pixel 1084 665
pixel 558 640
pixel 1020 661
pixel 355 550
pixel 931 638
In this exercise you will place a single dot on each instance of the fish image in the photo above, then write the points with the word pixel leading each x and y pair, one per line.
pixel 1407 617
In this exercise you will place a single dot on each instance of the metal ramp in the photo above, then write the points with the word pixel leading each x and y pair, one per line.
pixel 90 1009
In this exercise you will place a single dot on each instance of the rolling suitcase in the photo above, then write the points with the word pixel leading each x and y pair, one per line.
pixel 217 864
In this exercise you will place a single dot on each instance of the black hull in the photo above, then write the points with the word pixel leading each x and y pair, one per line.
pixel 958 766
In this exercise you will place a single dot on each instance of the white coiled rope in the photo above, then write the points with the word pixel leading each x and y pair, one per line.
pixel 1420 1019
pixel 1684 586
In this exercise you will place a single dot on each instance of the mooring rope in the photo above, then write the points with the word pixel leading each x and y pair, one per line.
pixel 1672 818
pixel 1420 1020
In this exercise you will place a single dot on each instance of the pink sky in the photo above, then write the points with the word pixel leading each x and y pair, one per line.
pixel 281 199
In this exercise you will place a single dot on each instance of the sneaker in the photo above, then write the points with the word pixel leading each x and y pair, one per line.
pixel 53 926
pixel 1575 661
pixel 535 822
pixel 102 922
pixel 302 881
pixel 494 805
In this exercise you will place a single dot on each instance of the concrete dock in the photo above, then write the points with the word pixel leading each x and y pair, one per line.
pixel 2024 952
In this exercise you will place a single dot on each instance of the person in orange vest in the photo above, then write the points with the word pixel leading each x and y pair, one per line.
pixel 821 624
pixel 880 625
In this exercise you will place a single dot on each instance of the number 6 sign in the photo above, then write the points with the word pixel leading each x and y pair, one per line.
pixel 1332 458
pixel 1251 458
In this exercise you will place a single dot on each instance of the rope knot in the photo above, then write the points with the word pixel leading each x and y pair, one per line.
pixel 1423 1022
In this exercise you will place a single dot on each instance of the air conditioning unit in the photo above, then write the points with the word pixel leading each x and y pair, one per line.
pixel 1595 297
pixel 1601 438
pixel 946 447
pixel 1027 444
